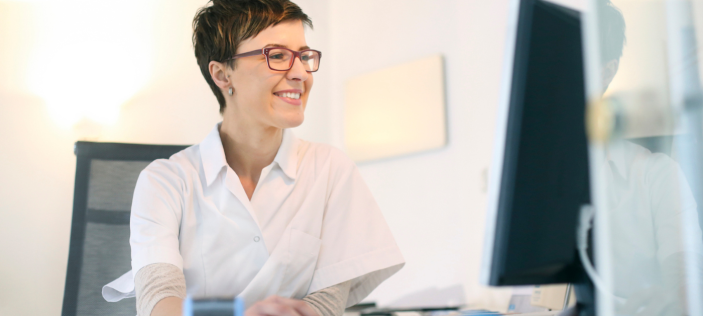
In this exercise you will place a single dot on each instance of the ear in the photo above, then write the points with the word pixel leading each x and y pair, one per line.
pixel 218 72
pixel 608 72
pixel 613 66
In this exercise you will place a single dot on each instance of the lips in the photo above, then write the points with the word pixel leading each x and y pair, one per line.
pixel 291 96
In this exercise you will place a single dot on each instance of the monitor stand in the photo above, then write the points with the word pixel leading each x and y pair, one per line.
pixel 585 298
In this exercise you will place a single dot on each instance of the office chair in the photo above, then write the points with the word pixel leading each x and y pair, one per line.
pixel 656 144
pixel 106 174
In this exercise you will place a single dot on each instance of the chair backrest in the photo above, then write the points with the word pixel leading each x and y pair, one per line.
pixel 656 144
pixel 106 174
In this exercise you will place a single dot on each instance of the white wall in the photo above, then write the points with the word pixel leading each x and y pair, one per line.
pixel 433 201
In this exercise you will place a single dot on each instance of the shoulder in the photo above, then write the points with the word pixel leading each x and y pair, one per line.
pixel 177 169
pixel 651 160
pixel 324 156
pixel 656 168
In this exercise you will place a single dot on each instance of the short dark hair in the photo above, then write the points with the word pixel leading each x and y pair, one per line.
pixel 611 31
pixel 221 25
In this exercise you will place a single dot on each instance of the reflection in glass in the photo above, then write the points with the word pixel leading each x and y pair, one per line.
pixel 649 165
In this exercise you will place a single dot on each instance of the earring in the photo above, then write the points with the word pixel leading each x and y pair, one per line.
pixel 230 91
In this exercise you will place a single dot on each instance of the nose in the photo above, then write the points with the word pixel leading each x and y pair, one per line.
pixel 297 72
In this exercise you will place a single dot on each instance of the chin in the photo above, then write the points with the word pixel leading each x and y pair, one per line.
pixel 295 123
pixel 292 121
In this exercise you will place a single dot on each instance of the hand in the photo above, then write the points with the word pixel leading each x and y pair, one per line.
pixel 169 306
pixel 280 306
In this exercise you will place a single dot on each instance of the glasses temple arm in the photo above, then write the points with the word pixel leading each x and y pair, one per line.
pixel 251 53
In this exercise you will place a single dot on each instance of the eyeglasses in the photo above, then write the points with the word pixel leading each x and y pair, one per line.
pixel 282 59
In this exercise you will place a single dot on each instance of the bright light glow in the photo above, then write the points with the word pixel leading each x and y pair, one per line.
pixel 91 57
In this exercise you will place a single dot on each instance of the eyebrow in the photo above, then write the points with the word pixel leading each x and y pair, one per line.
pixel 284 46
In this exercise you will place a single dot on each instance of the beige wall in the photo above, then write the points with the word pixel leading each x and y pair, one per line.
pixel 434 201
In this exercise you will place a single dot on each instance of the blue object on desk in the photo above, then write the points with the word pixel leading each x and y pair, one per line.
pixel 238 306
pixel 213 307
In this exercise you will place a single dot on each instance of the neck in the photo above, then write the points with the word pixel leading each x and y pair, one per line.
pixel 248 148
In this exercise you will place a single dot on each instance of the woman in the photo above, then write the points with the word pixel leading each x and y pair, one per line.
pixel 252 211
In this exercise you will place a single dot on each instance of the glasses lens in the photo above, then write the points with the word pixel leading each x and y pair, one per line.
pixel 279 59
pixel 310 59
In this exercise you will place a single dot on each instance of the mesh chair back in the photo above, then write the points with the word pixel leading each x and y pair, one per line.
pixel 106 174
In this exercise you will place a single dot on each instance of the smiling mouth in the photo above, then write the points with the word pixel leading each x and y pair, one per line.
pixel 290 95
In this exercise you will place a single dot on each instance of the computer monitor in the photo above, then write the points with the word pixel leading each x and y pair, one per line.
pixel 539 174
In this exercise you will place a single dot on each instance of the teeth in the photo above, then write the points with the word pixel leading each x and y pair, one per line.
pixel 290 95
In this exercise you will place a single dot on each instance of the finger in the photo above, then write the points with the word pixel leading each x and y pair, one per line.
pixel 300 306
pixel 272 308
pixel 305 309
pixel 257 308
pixel 254 310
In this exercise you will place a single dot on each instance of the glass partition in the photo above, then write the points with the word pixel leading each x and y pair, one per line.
pixel 645 120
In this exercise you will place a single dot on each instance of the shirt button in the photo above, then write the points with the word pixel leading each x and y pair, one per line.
pixel 256 238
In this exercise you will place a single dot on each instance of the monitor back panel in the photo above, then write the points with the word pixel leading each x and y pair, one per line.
pixel 545 177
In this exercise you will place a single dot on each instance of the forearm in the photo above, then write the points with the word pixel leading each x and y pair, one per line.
pixel 330 301
pixel 170 306
pixel 160 291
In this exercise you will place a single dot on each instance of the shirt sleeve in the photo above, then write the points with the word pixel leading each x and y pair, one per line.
pixel 155 217
pixel 357 243
pixel 156 282
pixel 674 209
pixel 330 301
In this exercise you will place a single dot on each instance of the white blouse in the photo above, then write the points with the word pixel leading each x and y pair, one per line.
pixel 653 217
pixel 311 223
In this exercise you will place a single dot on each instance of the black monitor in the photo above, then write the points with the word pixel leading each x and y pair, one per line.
pixel 539 174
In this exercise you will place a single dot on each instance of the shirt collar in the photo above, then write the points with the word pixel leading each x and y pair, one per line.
pixel 287 156
pixel 622 155
pixel 212 154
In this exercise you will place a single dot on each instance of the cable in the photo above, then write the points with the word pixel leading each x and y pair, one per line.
pixel 585 217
